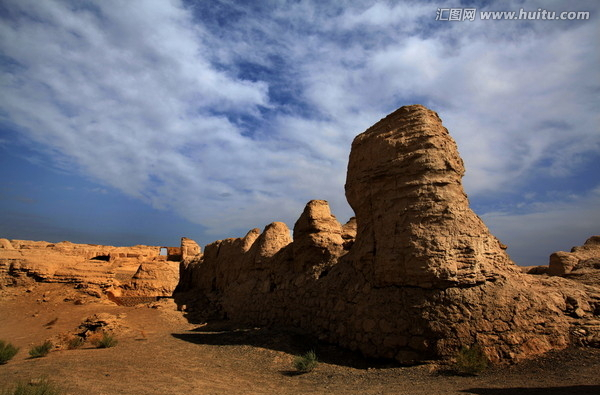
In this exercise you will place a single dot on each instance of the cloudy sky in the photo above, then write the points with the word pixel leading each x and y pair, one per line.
pixel 126 122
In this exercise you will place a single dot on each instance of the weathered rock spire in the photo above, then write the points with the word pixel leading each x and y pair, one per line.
pixel 415 226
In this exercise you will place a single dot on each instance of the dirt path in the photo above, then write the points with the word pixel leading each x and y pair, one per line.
pixel 159 352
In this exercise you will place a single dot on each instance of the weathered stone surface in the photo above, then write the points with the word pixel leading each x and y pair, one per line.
pixel 416 275
pixel 106 267
pixel 534 269
pixel 5 244
pixel 318 241
pixel 581 264
pixel 562 263
pixel 590 249
pixel 349 230
pixel 274 237
pixel 190 254
pixel 404 184
pixel 98 324
pixel 190 250
pixel 153 278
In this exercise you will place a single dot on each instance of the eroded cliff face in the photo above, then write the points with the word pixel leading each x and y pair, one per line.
pixel 124 271
pixel 416 275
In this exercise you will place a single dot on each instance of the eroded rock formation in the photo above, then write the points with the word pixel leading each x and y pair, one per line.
pixel 153 278
pixel 415 226
pixel 581 260
pixel 138 270
pixel 318 241
pixel 416 275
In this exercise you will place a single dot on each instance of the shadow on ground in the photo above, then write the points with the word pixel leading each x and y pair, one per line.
pixel 288 340
pixel 575 389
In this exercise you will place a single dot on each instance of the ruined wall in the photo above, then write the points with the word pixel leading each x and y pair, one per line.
pixel 581 264
pixel 123 270
pixel 416 275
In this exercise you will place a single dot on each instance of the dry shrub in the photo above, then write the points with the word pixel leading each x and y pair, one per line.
pixel 7 352
pixel 105 340
pixel 42 350
pixel 306 363
pixel 471 360
pixel 75 342
pixel 35 387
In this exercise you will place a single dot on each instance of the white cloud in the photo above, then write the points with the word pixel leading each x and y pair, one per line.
pixel 151 99
pixel 381 15
pixel 126 95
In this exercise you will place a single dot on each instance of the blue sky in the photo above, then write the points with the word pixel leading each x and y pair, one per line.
pixel 144 121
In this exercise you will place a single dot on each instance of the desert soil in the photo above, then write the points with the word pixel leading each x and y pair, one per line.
pixel 161 352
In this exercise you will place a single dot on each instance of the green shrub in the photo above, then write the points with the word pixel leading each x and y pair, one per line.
pixel 106 341
pixel 35 387
pixel 306 363
pixel 471 360
pixel 7 352
pixel 41 350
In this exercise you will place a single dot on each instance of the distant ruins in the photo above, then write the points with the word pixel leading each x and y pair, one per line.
pixel 138 271
pixel 415 276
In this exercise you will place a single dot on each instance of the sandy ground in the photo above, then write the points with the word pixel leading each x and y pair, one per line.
pixel 160 352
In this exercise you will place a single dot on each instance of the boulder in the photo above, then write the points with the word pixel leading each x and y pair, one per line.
pixel 563 263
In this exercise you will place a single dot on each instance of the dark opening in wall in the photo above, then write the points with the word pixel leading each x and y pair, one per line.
pixel 101 258
pixel 174 258
pixel 173 253
pixel 324 273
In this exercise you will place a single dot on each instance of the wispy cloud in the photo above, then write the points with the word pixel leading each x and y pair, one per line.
pixel 234 115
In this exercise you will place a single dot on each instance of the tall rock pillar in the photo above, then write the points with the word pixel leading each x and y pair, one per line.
pixel 415 226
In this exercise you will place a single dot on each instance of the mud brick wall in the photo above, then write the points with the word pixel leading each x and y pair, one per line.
pixel 416 275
